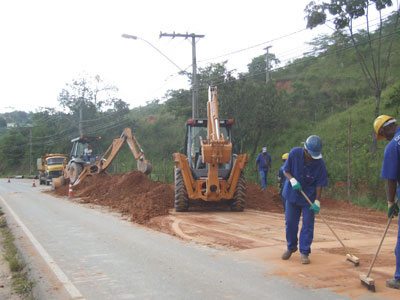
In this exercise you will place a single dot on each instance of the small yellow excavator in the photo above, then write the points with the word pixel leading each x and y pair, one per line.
pixel 83 162
pixel 207 169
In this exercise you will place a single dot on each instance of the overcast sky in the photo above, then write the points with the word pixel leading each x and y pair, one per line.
pixel 47 43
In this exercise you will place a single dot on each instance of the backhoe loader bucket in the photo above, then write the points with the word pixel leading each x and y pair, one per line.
pixel 144 167
pixel 57 182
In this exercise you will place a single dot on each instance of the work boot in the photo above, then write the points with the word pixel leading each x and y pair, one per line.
pixel 288 253
pixel 393 283
pixel 304 259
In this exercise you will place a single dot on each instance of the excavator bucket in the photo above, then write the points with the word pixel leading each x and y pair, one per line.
pixel 57 182
pixel 144 167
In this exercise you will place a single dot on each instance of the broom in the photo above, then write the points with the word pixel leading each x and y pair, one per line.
pixel 349 257
pixel 367 281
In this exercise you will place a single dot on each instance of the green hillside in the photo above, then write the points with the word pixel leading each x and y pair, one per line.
pixel 367 186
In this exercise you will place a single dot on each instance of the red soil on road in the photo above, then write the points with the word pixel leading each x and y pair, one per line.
pixel 142 198
pixel 259 232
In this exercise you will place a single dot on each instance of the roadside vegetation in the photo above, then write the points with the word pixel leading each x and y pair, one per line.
pixel 20 282
pixel 318 93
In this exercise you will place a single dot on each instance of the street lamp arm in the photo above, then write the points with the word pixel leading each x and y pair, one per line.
pixel 128 36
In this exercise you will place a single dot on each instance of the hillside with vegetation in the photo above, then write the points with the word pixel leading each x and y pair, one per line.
pixel 318 93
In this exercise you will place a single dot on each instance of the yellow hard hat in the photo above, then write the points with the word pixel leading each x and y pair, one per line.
pixel 285 156
pixel 378 123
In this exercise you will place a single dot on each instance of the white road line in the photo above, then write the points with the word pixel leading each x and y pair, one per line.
pixel 69 286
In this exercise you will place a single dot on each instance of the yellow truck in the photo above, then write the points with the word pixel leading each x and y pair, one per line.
pixel 50 166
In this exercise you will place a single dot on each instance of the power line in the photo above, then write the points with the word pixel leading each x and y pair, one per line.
pixel 195 95
pixel 313 58
pixel 262 43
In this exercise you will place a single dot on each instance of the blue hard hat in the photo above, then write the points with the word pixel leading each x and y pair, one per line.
pixel 313 146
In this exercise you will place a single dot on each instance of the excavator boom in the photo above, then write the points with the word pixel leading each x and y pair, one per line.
pixel 142 164
pixel 216 149
pixel 78 171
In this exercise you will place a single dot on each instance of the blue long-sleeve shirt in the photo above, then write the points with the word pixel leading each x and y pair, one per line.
pixel 310 175
pixel 391 161
pixel 260 161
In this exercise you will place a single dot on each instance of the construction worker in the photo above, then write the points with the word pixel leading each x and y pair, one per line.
pixel 282 179
pixel 386 127
pixel 305 171
pixel 88 152
pixel 263 163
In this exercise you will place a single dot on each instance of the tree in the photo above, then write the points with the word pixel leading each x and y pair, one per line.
pixel 13 147
pixel 258 65
pixel 373 60
pixel 214 74
pixel 3 122
pixel 88 96
pixel 179 103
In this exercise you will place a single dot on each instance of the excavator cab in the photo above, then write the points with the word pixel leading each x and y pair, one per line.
pixel 196 130
pixel 84 152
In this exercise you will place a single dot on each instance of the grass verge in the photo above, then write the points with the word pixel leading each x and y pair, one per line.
pixel 20 282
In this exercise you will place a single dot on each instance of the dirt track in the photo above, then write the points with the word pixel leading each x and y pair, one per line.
pixel 259 232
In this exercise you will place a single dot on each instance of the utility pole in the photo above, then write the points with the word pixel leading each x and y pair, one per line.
pixel 80 120
pixel 195 92
pixel 267 65
pixel 80 111
pixel 30 152
pixel 349 162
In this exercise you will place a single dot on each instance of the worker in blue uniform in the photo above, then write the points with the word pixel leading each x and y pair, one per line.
pixel 282 179
pixel 305 171
pixel 263 164
pixel 386 127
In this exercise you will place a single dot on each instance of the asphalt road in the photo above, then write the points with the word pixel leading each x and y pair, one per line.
pixel 90 253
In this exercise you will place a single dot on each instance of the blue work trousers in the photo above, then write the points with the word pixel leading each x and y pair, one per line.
pixel 283 202
pixel 397 252
pixel 292 216
pixel 263 175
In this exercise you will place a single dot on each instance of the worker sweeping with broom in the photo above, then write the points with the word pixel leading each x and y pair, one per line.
pixel 305 170
pixel 386 127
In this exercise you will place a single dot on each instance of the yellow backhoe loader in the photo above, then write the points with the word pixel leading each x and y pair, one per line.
pixel 83 162
pixel 207 169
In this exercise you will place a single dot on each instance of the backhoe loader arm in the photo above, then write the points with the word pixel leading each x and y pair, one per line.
pixel 142 164
pixel 216 149
pixel 213 127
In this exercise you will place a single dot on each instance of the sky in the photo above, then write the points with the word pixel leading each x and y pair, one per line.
pixel 45 44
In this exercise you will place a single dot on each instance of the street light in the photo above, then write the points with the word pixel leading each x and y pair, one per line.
pixel 128 36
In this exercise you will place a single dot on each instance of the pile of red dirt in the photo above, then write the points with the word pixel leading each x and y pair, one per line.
pixel 141 198
pixel 132 193
pixel 268 200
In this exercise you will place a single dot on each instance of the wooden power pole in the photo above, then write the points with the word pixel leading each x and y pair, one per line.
pixel 195 91
pixel 267 65
pixel 349 161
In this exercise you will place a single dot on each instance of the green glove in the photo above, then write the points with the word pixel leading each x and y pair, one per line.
pixel 393 209
pixel 316 207
pixel 295 184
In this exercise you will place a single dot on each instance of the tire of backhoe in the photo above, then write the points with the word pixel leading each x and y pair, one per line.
pixel 74 171
pixel 181 203
pixel 238 202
